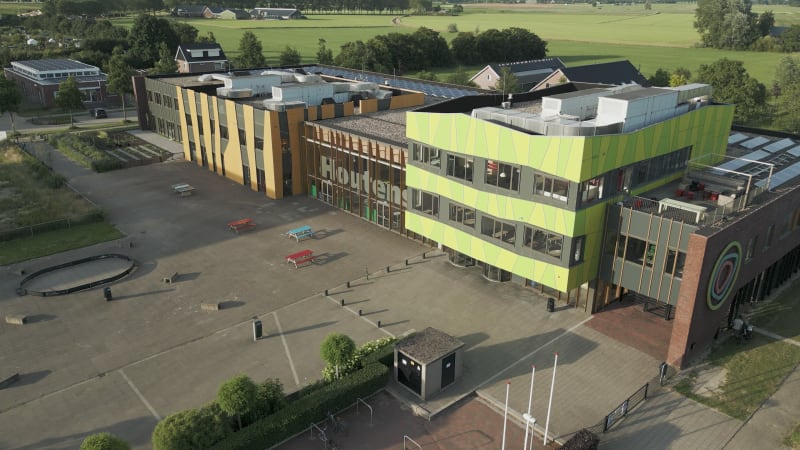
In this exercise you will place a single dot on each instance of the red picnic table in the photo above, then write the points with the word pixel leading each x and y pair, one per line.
pixel 300 257
pixel 242 224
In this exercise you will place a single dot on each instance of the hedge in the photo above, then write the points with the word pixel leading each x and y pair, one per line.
pixel 299 415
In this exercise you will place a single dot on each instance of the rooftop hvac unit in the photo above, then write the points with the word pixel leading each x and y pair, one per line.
pixel 506 105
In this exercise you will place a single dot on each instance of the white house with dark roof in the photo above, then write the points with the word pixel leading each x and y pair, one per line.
pixel 201 57
pixel 40 79
pixel 528 73
pixel 613 73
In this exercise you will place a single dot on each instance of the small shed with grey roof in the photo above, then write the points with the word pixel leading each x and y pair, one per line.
pixel 428 361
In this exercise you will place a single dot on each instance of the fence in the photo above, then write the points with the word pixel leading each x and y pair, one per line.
pixel 32 230
pixel 625 407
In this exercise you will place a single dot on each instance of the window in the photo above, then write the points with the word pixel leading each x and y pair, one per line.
pixel 460 167
pixel 577 250
pixel 498 229
pixel 751 245
pixel 223 131
pixel 157 97
pixel 259 143
pixel 551 187
pixel 591 190
pixel 502 175
pixel 425 202
pixel 770 234
pixel 543 241
pixel 633 250
pixel 675 260
pixel 462 215
pixel 242 137
pixel 425 154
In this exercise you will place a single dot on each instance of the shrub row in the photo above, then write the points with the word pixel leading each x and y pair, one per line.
pixel 85 153
pixel 380 350
pixel 299 415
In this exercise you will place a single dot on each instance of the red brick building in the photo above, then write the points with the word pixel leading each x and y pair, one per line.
pixel 39 79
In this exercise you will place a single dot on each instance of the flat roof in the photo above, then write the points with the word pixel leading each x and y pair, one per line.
pixel 640 93
pixel 384 126
pixel 46 65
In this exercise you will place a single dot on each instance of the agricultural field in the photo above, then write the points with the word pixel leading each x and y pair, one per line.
pixel 662 37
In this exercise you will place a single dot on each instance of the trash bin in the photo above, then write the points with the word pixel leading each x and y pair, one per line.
pixel 551 304
pixel 107 293
pixel 256 330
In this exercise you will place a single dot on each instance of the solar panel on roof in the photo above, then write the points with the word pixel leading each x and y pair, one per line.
pixel 794 151
pixel 755 142
pixel 780 145
pixel 738 163
pixel 736 138
pixel 781 177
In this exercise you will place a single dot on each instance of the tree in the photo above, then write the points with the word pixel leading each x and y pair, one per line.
pixel 732 84
pixel 119 78
pixel 269 399
pixel 324 54
pixel 69 97
pixel 209 37
pixel 251 53
pixel 426 75
pixel 431 47
pixel 166 62
pixel 460 77
pixel 186 33
pixel 507 83
pixel 336 349
pixel 10 99
pixel 463 48
pixel 237 396
pixel 727 24
pixel 191 429
pixel 146 36
pixel 660 78
pixel 104 441
pixel 790 39
pixel 766 21
pixel 787 91
pixel 290 57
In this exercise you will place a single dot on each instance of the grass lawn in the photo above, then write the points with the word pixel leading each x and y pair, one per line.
pixel 56 242
pixel 793 440
pixel 755 369
pixel 663 37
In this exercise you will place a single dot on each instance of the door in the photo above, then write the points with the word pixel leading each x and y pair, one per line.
pixel 409 373
pixel 448 369
pixel 326 192
pixel 383 214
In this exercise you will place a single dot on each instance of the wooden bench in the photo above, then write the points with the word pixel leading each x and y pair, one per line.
pixel 4 382
pixel 305 256
pixel 170 278
pixel 301 232
pixel 183 189
pixel 209 307
pixel 16 319
pixel 242 224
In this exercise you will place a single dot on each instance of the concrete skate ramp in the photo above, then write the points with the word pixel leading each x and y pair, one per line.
pixel 77 275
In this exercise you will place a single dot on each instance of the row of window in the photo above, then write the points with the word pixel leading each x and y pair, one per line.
pixel 538 240
pixel 641 252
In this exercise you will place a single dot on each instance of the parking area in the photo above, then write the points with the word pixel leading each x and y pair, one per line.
pixel 88 365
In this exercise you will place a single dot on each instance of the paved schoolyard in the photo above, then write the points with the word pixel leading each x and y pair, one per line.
pixel 88 365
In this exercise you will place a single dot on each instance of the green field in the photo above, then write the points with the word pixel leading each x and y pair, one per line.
pixel 663 37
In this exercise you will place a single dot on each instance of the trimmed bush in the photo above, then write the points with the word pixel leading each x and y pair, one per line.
pixel 298 416
pixel 192 429
pixel 582 440
pixel 380 350
pixel 104 441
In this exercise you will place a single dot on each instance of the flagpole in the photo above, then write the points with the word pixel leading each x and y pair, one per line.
pixel 550 402
pixel 505 416
pixel 530 402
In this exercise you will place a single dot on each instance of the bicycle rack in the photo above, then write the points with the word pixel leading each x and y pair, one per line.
pixel 322 436
pixel 367 405
pixel 406 438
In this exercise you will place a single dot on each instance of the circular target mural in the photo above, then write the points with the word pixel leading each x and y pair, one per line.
pixel 724 275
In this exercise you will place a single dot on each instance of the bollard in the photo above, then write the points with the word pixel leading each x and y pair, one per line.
pixel 406 261
pixel 107 293
pixel 388 269
pixel 423 255
pixel 326 292
pixel 551 304
pixel 348 284
pixel 379 324
pixel 256 330
pixel 359 312
pixel 341 302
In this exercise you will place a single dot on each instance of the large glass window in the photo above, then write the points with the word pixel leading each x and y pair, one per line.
pixel 425 202
pixel 460 167
pixel 544 241
pixel 425 154
pixel 498 229
pixel 242 137
pixel 502 175
pixel 462 215
pixel 592 190
pixel 675 260
pixel 223 131
pixel 551 187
